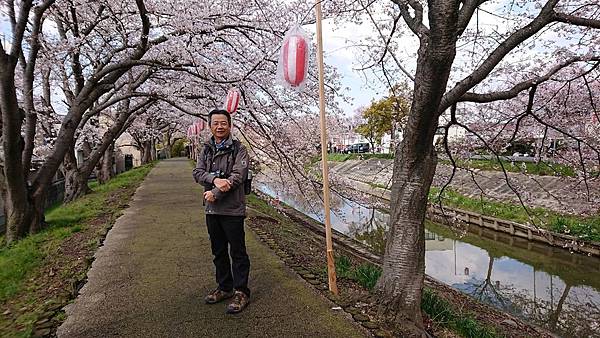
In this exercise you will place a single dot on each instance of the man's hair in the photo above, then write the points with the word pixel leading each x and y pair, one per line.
pixel 219 112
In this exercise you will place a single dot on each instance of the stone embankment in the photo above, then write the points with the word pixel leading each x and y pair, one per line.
pixel 560 194
pixel 367 176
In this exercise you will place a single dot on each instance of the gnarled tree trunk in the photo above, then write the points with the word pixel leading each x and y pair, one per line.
pixel 106 172
pixel 18 206
pixel 75 180
pixel 401 283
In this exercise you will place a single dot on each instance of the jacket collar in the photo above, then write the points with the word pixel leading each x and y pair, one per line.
pixel 211 142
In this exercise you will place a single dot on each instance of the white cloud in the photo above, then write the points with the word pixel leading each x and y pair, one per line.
pixel 340 49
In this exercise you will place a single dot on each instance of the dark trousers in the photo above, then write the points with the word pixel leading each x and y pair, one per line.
pixel 227 238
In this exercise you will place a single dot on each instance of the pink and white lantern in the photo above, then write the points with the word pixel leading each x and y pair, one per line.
pixel 232 100
pixel 199 126
pixel 293 60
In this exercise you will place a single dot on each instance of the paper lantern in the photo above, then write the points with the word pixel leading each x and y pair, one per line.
pixel 232 100
pixel 199 126
pixel 295 55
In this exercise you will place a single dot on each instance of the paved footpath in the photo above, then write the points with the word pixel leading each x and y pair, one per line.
pixel 150 277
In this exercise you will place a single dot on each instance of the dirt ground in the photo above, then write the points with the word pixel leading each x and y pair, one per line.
pixel 287 232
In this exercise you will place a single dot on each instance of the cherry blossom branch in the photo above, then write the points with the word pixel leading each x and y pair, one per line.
pixel 540 21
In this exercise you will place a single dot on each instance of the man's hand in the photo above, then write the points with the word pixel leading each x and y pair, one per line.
pixel 222 184
pixel 209 196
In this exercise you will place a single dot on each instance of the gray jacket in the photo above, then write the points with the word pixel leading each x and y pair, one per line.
pixel 235 168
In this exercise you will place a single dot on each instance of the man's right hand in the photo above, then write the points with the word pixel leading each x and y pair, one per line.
pixel 222 184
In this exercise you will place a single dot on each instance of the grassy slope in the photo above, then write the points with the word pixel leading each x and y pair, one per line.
pixel 22 260
pixel 586 228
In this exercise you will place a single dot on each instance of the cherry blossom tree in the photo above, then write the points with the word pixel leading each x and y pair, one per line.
pixel 459 59
pixel 22 215
pixel 91 49
pixel 25 196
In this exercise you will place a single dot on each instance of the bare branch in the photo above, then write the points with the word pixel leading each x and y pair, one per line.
pixel 145 24
pixel 516 89
pixel 387 43
pixel 19 26
pixel 466 13
pixel 545 16
pixel 576 20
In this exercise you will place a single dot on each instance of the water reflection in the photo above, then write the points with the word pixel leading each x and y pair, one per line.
pixel 545 285
pixel 547 289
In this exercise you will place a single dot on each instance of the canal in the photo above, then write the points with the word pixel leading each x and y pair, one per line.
pixel 547 286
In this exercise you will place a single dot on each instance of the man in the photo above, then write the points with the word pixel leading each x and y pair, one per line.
pixel 222 168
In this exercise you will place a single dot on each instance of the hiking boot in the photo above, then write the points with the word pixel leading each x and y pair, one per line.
pixel 238 303
pixel 217 295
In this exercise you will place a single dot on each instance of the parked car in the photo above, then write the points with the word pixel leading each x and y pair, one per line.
pixel 358 148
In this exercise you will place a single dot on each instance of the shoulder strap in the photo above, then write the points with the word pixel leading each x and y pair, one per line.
pixel 236 148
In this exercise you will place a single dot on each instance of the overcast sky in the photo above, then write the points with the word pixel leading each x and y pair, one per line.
pixel 340 51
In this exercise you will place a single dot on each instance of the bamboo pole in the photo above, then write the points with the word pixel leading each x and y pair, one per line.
pixel 330 261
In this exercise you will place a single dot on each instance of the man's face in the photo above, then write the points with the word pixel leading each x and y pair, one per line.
pixel 219 126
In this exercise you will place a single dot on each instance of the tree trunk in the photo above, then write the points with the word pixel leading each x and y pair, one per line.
pixel 393 137
pixel 400 286
pixel 153 154
pixel 106 169
pixel 17 204
pixel 169 144
pixel 146 151
pixel 75 180
pixel 75 186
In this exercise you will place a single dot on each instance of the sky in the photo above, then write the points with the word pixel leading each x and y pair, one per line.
pixel 340 52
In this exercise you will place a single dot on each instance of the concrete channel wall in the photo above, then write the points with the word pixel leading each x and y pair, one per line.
pixel 529 232
pixel 532 233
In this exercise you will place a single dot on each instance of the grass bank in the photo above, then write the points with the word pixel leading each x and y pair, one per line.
pixel 541 169
pixel 586 228
pixel 41 272
pixel 443 313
